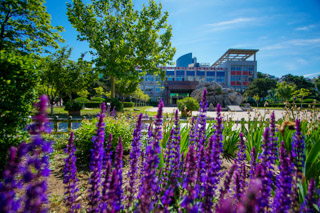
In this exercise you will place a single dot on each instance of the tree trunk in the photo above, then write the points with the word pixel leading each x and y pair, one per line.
pixel 51 108
pixel 113 87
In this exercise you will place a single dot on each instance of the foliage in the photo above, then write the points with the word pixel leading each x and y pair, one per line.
pixel 97 99
pixel 256 99
pixel 139 95
pixel 125 87
pixel 128 104
pixel 118 34
pixel 99 91
pixel 114 103
pixel 93 104
pixel 64 76
pixel 117 127
pixel 72 105
pixel 83 93
pixel 302 93
pixel 18 80
pixel 260 86
pixel 285 90
pixel 26 26
pixel 188 103
pixel 81 100
pixel 299 81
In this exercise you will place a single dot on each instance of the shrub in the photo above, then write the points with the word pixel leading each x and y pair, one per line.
pixel 18 80
pixel 114 103
pixel 71 105
pixel 92 105
pixel 189 103
pixel 128 104
pixel 97 99
pixel 81 100
pixel 117 127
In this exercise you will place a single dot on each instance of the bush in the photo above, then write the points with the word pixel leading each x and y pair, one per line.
pixel 114 103
pixel 81 100
pixel 71 105
pixel 128 104
pixel 92 105
pixel 97 99
pixel 117 127
pixel 188 103
pixel 18 81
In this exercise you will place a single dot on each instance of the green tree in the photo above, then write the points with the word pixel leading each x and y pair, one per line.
pixel 123 37
pixel 285 90
pixel 126 87
pixel 61 76
pixel 260 86
pixel 26 26
pixel 256 99
pixel 299 81
pixel 302 93
pixel 18 80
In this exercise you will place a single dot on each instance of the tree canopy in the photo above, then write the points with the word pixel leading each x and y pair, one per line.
pixel 123 37
pixel 260 87
pixel 26 26
pixel 299 81
pixel 61 76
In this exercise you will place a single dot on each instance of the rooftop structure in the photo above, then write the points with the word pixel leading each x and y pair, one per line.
pixel 236 55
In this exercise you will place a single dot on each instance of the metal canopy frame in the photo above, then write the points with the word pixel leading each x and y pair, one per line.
pixel 236 55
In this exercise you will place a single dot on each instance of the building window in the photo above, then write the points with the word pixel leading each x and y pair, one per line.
pixel 200 73
pixel 233 68
pixel 244 68
pixel 190 73
pixel 219 79
pixel 220 74
pixel 169 72
pixel 250 68
pixel 211 73
pixel 148 78
pixel 148 89
pixel 180 72
pixel 179 79
pixel 210 79
pixel 170 79
pixel 189 78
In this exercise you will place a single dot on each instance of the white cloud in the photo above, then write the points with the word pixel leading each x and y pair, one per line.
pixel 305 28
pixel 312 74
pixel 295 42
pixel 230 23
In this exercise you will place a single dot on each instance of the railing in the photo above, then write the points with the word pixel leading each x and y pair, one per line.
pixel 56 120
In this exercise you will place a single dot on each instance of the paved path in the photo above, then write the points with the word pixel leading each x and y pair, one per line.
pixel 235 115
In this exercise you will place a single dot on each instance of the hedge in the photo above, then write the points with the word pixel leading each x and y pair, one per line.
pixel 92 105
pixel 128 104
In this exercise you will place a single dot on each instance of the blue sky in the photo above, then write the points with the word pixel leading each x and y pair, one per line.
pixel 286 32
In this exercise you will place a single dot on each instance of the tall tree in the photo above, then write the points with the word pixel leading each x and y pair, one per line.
pixel 61 76
pixel 299 81
pixel 25 25
pixel 260 87
pixel 285 90
pixel 123 37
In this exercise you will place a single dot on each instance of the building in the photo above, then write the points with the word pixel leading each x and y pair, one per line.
pixel 236 68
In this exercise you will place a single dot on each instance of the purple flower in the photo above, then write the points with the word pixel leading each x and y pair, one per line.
pixel 192 135
pixel 97 154
pixel 249 202
pixel 273 139
pixel 310 199
pixel 263 201
pixel 282 200
pixel 167 163
pixel 226 184
pixel 150 135
pixel 149 184
pixel 70 176
pixel 201 170
pixel 167 199
pixel 190 179
pixel 175 157
pixel 213 167
pixel 134 156
pixel 237 188
pixel 40 118
pixel 201 136
pixel 8 198
pixel 252 162
pixel 158 128
pixel 114 111
pixel 298 150
pixel 106 187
